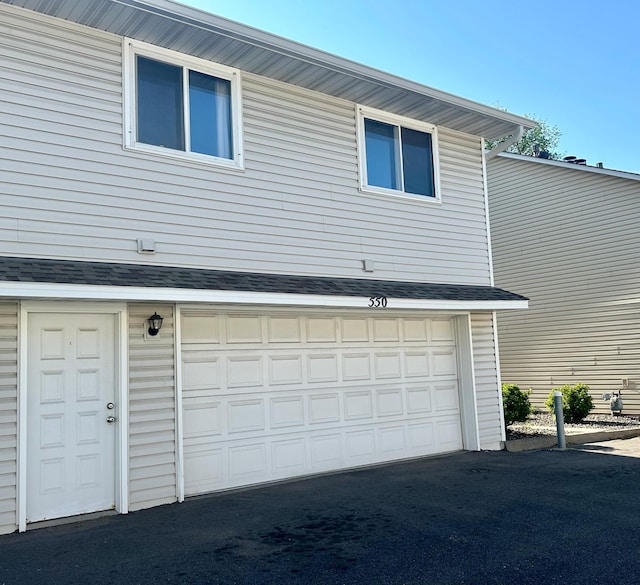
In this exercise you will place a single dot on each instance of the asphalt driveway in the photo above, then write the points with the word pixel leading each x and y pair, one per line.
pixel 474 518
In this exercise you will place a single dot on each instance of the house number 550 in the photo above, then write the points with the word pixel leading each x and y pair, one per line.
pixel 378 302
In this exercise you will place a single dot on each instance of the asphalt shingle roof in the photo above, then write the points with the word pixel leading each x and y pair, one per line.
pixel 37 270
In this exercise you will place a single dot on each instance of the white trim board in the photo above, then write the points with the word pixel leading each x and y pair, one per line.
pixel 31 290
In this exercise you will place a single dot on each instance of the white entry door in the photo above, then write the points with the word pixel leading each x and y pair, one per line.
pixel 70 399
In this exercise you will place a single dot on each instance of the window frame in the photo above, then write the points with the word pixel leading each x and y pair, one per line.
pixel 399 122
pixel 133 48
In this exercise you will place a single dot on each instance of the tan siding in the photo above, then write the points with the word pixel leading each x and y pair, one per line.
pixel 73 192
pixel 568 239
pixel 152 434
pixel 486 372
pixel 8 414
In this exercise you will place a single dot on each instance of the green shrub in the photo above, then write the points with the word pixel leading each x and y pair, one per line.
pixel 516 404
pixel 576 402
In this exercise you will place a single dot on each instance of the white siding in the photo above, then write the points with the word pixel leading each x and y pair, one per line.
pixel 487 386
pixel 152 432
pixel 70 190
pixel 8 414
pixel 568 239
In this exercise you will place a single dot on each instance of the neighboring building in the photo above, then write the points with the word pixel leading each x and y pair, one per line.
pixel 312 231
pixel 567 236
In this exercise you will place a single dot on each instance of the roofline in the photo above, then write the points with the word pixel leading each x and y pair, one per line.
pixel 483 120
pixel 318 56
pixel 58 291
pixel 572 166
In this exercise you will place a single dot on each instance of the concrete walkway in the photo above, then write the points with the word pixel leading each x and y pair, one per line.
pixel 533 517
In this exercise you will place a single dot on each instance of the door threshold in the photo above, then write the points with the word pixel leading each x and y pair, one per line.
pixel 70 519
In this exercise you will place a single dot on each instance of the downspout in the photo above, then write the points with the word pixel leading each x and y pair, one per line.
pixel 498 148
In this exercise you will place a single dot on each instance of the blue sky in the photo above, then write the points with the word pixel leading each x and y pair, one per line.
pixel 574 64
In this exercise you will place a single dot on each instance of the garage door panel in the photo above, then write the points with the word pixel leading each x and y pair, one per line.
pixel 324 408
pixel 416 364
pixel 201 328
pixel 358 405
pixel 442 330
pixel 446 397
pixel 285 369
pixel 386 330
pixel 421 437
pixel 322 330
pixel 287 412
pixel 244 371
pixel 356 366
pixel 392 441
pixel 243 329
pixel 247 463
pixel 289 457
pixel 245 415
pixel 201 417
pixel 284 329
pixel 415 330
pixel 355 329
pixel 444 362
pixel 322 368
pixel 449 434
pixel 387 365
pixel 282 396
pixel 203 470
pixel 326 451
pixel 419 400
pixel 390 403
pixel 361 446
pixel 203 372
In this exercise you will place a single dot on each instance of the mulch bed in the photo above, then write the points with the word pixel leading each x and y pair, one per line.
pixel 543 424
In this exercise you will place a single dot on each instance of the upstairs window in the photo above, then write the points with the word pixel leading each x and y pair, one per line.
pixel 397 155
pixel 181 106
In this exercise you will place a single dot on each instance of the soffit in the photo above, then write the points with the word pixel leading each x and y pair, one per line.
pixel 181 28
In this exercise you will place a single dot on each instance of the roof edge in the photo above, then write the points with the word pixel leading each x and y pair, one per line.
pixel 567 165
pixel 318 56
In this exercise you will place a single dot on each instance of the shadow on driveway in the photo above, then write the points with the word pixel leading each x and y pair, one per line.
pixel 474 518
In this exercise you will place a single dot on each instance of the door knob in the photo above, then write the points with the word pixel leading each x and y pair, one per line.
pixel 111 419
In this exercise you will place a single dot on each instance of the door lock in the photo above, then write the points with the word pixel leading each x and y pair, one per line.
pixel 111 405
pixel 111 419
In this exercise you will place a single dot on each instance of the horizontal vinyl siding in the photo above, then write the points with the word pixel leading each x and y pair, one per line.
pixel 152 433
pixel 487 383
pixel 73 192
pixel 569 241
pixel 8 414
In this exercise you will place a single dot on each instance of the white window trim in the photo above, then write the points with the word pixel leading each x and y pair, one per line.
pixel 131 48
pixel 381 116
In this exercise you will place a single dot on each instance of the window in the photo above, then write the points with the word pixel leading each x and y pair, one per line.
pixel 181 106
pixel 397 155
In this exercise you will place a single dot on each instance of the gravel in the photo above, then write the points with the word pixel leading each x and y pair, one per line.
pixel 543 424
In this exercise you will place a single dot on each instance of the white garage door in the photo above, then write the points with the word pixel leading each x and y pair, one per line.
pixel 267 397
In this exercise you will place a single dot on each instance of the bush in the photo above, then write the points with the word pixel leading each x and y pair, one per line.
pixel 576 402
pixel 516 404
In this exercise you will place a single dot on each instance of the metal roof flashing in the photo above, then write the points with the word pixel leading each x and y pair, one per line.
pixel 571 166
pixel 182 28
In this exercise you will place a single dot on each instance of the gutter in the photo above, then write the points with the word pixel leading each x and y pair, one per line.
pixel 498 148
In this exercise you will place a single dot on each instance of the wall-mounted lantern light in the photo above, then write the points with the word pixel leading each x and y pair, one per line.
pixel 155 324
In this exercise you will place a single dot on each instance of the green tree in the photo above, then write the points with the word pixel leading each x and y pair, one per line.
pixel 544 137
